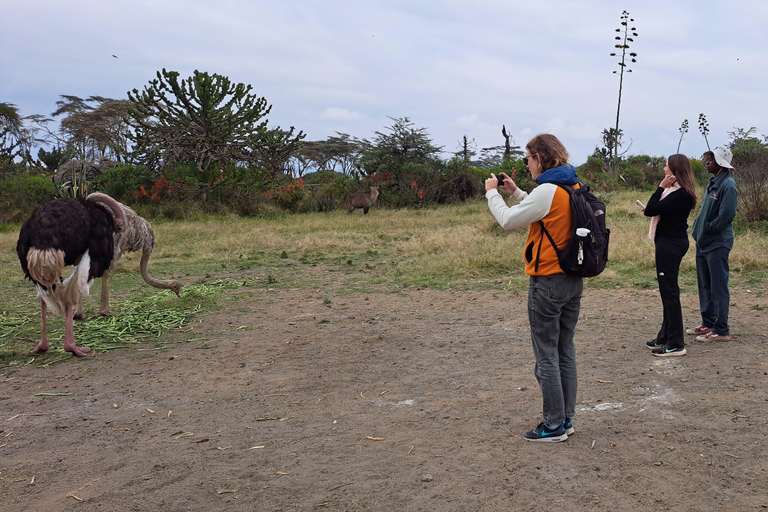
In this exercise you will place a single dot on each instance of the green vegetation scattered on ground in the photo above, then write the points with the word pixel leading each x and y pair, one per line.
pixel 457 246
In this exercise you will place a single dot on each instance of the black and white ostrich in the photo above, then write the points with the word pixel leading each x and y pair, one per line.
pixel 68 232
pixel 137 235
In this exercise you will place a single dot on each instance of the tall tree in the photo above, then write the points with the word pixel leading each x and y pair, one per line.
pixel 466 150
pixel 274 148
pixel 402 144
pixel 338 152
pixel 344 152
pixel 205 121
pixel 94 127
pixel 15 139
pixel 497 155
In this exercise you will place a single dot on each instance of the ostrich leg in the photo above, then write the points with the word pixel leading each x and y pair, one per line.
pixel 42 347
pixel 79 315
pixel 69 336
pixel 104 304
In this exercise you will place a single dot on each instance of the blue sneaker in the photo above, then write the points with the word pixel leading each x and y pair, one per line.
pixel 544 434
pixel 568 426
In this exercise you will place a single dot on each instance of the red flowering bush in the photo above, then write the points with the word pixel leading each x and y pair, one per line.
pixel 161 190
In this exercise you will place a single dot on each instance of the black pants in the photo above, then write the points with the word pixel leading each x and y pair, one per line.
pixel 669 254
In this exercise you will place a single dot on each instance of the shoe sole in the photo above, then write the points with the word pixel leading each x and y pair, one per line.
pixel 553 439
pixel 719 338
pixel 569 431
pixel 676 353
pixel 655 346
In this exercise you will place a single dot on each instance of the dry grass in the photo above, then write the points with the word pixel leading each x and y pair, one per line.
pixel 455 245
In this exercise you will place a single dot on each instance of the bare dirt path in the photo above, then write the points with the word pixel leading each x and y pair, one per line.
pixel 387 401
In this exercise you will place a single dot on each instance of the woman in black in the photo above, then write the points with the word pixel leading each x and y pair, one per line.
pixel 669 208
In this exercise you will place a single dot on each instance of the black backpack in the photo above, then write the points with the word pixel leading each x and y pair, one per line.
pixel 586 255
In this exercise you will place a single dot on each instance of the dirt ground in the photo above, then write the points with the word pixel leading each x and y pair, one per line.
pixel 393 402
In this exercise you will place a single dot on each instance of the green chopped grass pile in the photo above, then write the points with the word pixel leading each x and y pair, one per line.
pixel 143 319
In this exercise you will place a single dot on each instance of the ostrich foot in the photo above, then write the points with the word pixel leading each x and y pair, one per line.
pixel 79 316
pixel 42 348
pixel 106 312
pixel 77 351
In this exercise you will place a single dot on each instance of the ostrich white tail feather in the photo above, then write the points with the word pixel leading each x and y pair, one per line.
pixel 69 293
pixel 45 265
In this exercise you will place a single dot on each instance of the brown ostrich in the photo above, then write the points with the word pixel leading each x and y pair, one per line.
pixel 68 232
pixel 137 235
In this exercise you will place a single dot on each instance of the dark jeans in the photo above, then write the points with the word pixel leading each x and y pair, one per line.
pixel 553 310
pixel 669 254
pixel 714 298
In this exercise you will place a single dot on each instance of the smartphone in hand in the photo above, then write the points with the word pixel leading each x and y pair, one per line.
pixel 641 205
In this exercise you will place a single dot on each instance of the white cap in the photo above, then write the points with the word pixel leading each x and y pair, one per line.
pixel 723 157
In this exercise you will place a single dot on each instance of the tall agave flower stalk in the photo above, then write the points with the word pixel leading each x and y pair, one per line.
pixel 704 129
pixel 626 35
pixel 683 130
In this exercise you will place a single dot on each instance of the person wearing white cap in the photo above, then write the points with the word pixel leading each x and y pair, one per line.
pixel 713 233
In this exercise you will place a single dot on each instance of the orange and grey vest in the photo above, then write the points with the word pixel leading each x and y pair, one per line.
pixel 537 246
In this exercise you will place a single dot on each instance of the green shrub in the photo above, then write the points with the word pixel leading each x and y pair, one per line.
pixel 331 190
pixel 700 172
pixel 457 181
pixel 594 173
pixel 123 182
pixel 20 194
pixel 643 171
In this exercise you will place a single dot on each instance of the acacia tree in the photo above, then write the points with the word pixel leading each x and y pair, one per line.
pixel 340 152
pixel 94 127
pixel 205 121
pixel 344 152
pixel 402 145
pixel 15 139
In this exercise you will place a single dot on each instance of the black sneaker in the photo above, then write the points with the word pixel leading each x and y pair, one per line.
pixel 654 343
pixel 667 351
pixel 568 426
pixel 544 434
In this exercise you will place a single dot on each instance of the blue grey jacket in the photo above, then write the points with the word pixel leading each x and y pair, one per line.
pixel 714 223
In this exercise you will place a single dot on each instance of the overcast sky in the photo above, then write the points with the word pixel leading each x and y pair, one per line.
pixel 453 67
